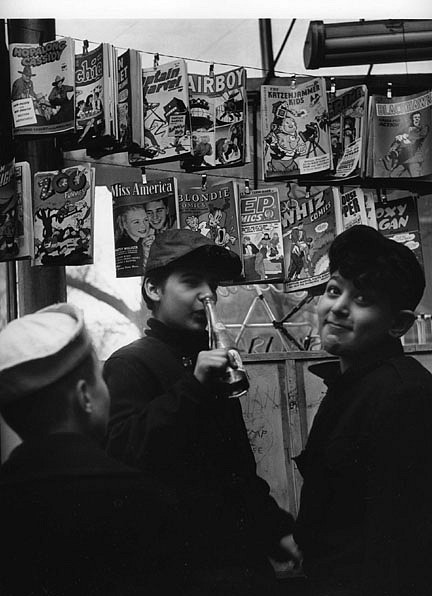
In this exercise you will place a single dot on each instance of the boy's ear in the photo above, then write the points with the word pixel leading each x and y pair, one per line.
pixel 152 290
pixel 402 322
pixel 83 397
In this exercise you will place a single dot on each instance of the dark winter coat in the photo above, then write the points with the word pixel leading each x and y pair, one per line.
pixel 365 519
pixel 167 423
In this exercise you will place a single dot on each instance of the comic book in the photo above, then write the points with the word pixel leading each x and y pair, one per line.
pixel 212 211
pixel 400 136
pixel 295 130
pixel 308 228
pixel 130 99
pixel 167 131
pixel 370 197
pixel 261 236
pixel 42 86
pixel 350 208
pixel 16 230
pixel 63 212
pixel 218 107
pixel 140 212
pixel 397 218
pixel 347 117
pixel 95 97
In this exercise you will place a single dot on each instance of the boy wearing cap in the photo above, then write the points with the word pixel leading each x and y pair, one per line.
pixel 365 523
pixel 73 521
pixel 166 418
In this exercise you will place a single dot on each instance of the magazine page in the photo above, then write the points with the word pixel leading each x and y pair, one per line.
pixel 218 108
pixel 350 208
pixel 347 116
pixel 42 86
pixel 397 218
pixel 308 228
pixel 130 112
pixel 167 132
pixel 295 131
pixel 400 143
pixel 261 235
pixel 370 197
pixel 211 210
pixel 63 206
pixel 140 212
pixel 15 211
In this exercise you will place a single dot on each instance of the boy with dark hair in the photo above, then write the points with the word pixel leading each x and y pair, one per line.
pixel 167 418
pixel 365 522
pixel 73 521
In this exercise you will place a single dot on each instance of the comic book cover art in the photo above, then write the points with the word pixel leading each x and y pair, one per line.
pixel 400 136
pixel 308 228
pixel 295 130
pixel 261 236
pixel 370 196
pixel 140 212
pixel 218 107
pixel 211 211
pixel 15 211
pixel 347 116
pixel 167 131
pixel 350 208
pixel 397 219
pixel 63 207
pixel 129 106
pixel 42 86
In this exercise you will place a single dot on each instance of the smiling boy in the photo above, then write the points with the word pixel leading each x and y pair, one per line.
pixel 168 419
pixel 365 524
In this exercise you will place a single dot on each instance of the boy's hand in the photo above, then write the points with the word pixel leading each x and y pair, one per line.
pixel 291 549
pixel 210 365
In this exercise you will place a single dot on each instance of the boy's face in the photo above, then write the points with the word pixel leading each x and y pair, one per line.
pixel 351 321
pixel 179 303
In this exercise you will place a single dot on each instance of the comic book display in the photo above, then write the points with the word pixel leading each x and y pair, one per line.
pixel 15 211
pixel 261 235
pixel 400 136
pixel 350 208
pixel 211 210
pixel 218 107
pixel 347 117
pixel 308 228
pixel 397 218
pixel 295 130
pixel 140 212
pixel 42 86
pixel 63 208
pixel 130 102
pixel 167 131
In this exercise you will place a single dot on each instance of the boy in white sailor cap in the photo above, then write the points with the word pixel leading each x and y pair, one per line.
pixel 73 520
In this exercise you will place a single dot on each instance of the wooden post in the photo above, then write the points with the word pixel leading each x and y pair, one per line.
pixel 37 286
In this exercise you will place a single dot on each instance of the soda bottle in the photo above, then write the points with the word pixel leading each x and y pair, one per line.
pixel 234 382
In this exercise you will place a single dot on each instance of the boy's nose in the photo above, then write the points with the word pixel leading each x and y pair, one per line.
pixel 206 290
pixel 341 306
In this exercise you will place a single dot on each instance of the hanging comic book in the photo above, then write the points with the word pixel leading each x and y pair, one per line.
pixel 63 207
pixel 295 131
pixel 211 210
pixel 347 115
pixel 16 230
pixel 130 102
pixel 400 136
pixel 261 235
pixel 397 218
pixel 42 86
pixel 350 208
pixel 308 228
pixel 140 212
pixel 218 107
pixel 167 131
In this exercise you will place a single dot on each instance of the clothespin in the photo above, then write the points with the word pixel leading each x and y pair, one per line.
pixel 332 85
pixel 389 90
pixel 247 187
pixel 211 69
pixel 383 196
pixel 203 181
pixel 156 60
pixel 143 175
pixel 307 193
pixel 85 47
pixel 293 81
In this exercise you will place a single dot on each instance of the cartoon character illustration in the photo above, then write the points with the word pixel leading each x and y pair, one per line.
pixel 405 154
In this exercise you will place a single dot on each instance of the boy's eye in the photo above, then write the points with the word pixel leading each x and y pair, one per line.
pixel 363 300
pixel 332 290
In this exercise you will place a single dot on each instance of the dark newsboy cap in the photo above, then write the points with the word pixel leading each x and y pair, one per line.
pixel 174 246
